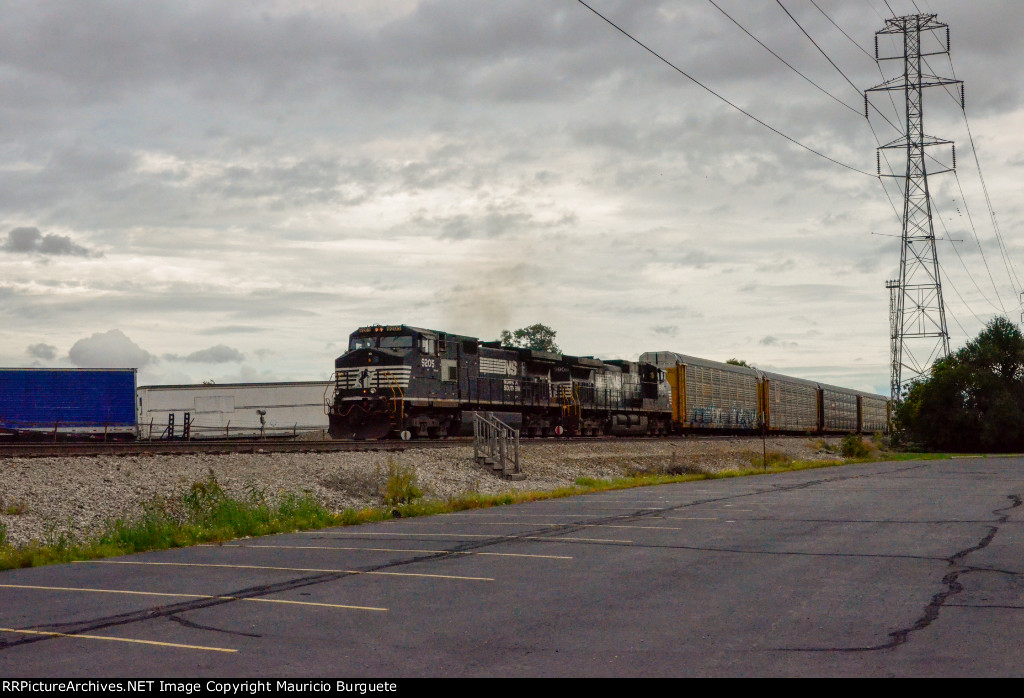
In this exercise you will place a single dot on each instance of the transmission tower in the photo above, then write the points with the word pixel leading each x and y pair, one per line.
pixel 917 315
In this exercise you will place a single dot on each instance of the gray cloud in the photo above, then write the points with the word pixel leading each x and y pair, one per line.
pixel 220 354
pixel 47 352
pixel 31 241
pixel 770 341
pixel 230 329
pixel 292 173
pixel 666 330
pixel 112 349
pixel 498 219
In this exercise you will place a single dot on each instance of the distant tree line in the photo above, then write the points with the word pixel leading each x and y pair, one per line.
pixel 974 399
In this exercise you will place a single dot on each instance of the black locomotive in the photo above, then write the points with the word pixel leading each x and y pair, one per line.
pixel 413 382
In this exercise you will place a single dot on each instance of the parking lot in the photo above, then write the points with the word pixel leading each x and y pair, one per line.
pixel 881 569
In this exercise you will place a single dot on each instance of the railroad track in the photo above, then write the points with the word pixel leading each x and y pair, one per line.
pixel 132 448
pixel 223 446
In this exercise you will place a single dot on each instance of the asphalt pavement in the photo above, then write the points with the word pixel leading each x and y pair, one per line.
pixel 891 569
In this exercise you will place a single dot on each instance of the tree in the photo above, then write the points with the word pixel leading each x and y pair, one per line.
pixel 537 337
pixel 974 399
pixel 738 362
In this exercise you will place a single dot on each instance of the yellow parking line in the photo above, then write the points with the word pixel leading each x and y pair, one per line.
pixel 511 515
pixel 409 535
pixel 656 528
pixel 288 569
pixel 689 518
pixel 191 596
pixel 478 535
pixel 115 639
pixel 585 540
pixel 488 523
pixel 599 505
pixel 397 550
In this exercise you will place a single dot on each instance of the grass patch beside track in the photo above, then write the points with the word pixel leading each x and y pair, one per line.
pixel 206 514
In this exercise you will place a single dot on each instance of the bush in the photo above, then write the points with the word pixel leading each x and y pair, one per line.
pixel 401 486
pixel 825 447
pixel 853 446
pixel 769 459
pixel 972 400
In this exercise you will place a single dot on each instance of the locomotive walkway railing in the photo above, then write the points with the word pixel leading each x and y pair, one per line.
pixel 514 391
pixel 496 444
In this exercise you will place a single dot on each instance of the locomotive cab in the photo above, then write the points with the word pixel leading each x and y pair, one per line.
pixel 373 376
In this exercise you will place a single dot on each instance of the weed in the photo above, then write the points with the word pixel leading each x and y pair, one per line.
pixel 661 465
pixel 59 538
pixel 770 459
pixel 853 446
pixel 825 447
pixel 3 535
pixel 14 509
pixel 401 486
pixel 354 482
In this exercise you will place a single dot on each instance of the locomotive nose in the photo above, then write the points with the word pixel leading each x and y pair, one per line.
pixel 368 357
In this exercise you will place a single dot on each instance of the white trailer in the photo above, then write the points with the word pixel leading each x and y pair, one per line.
pixel 233 410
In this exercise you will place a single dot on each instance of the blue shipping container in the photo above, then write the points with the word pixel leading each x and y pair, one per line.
pixel 67 399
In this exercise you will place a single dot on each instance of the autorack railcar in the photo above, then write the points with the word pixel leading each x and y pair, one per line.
pixel 708 395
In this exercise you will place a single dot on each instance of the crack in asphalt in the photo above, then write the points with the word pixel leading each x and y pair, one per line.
pixel 165 611
pixel 199 626
pixel 951 581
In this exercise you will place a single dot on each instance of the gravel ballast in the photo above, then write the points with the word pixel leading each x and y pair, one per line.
pixel 42 497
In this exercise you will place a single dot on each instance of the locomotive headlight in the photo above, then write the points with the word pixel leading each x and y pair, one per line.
pixel 373 390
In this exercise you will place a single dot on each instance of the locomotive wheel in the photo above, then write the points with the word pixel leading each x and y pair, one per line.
pixel 373 429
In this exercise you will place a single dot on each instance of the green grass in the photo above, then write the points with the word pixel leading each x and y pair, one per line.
pixel 206 514
pixel 13 508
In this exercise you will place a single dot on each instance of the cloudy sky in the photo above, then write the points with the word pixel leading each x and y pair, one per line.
pixel 218 189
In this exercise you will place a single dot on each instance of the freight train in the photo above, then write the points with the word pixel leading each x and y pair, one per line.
pixel 408 382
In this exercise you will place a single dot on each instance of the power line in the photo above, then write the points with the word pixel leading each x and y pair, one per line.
pixel 953 286
pixel 868 54
pixel 712 92
pixel 820 50
pixel 870 125
pixel 977 239
pixel 852 41
pixel 787 63
pixel 1011 272
pixel 873 9
pixel 859 91
pixel 964 264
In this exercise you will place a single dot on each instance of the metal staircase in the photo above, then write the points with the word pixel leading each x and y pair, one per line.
pixel 496 445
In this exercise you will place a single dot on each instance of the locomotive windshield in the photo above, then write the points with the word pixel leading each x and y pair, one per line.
pixel 402 342
pixel 362 343
pixel 396 342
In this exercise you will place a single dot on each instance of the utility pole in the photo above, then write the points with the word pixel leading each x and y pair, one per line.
pixel 917 314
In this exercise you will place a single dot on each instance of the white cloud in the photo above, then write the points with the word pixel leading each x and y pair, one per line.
pixel 111 349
